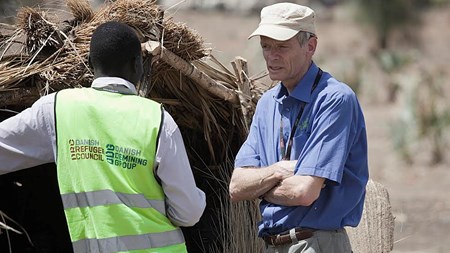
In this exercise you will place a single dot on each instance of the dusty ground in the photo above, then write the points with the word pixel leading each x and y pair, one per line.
pixel 419 192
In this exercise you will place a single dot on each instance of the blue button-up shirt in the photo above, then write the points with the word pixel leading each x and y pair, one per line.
pixel 330 142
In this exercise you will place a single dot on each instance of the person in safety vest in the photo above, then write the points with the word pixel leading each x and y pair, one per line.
pixel 123 173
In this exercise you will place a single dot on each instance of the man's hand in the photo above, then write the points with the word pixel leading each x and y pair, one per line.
pixel 296 191
pixel 285 169
pixel 251 183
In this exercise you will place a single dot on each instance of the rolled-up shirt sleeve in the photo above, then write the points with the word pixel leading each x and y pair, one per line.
pixel 185 202
pixel 26 138
pixel 334 131
pixel 249 154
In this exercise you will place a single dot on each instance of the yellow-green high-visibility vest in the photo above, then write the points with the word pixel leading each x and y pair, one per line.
pixel 106 147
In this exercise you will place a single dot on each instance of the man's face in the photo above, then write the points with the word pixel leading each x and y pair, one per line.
pixel 287 61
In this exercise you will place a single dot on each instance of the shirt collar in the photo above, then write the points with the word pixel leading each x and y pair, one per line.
pixel 114 84
pixel 302 91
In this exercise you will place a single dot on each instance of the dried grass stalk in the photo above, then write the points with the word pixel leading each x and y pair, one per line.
pixel 81 10
pixel 143 15
pixel 236 221
pixel 182 41
pixel 41 34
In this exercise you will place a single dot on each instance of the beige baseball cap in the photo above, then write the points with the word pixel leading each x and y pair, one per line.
pixel 282 21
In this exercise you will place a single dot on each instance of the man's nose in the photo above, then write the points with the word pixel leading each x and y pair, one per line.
pixel 273 55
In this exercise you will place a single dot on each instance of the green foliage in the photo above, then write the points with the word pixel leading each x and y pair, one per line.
pixel 392 62
pixel 350 72
pixel 403 130
pixel 432 111
pixel 424 121
pixel 386 15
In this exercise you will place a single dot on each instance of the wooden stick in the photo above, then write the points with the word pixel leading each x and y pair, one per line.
pixel 240 68
pixel 191 71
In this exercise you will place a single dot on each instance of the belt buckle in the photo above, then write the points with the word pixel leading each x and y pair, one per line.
pixel 273 240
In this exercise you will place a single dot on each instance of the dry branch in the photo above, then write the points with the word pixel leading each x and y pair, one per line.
pixel 191 71
pixel 241 69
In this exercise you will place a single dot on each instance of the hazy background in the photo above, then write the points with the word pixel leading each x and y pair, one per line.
pixel 395 56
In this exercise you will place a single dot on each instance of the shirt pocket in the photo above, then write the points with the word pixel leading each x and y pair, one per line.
pixel 298 144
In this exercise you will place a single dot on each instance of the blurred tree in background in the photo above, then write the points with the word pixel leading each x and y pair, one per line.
pixel 424 119
pixel 387 16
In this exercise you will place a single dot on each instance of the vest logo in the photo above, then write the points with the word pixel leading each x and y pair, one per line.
pixel 82 149
pixel 127 158
pixel 89 149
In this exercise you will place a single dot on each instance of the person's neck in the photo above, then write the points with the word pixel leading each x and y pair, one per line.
pixel 101 74
pixel 290 86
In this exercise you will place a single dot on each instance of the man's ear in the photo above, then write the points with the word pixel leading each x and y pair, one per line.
pixel 312 44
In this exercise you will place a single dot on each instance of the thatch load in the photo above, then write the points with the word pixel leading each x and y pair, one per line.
pixel 42 54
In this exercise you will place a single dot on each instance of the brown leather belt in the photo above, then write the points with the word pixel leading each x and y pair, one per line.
pixel 282 239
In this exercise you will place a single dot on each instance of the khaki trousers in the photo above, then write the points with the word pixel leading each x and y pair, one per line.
pixel 335 241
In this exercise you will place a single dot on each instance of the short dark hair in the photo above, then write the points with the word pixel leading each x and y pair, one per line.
pixel 113 44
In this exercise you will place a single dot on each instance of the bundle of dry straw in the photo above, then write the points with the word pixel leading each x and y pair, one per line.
pixel 42 54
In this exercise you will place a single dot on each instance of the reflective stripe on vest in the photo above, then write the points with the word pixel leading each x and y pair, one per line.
pixel 108 197
pixel 128 243
pixel 106 147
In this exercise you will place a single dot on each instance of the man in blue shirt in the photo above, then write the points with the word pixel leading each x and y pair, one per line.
pixel 306 153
